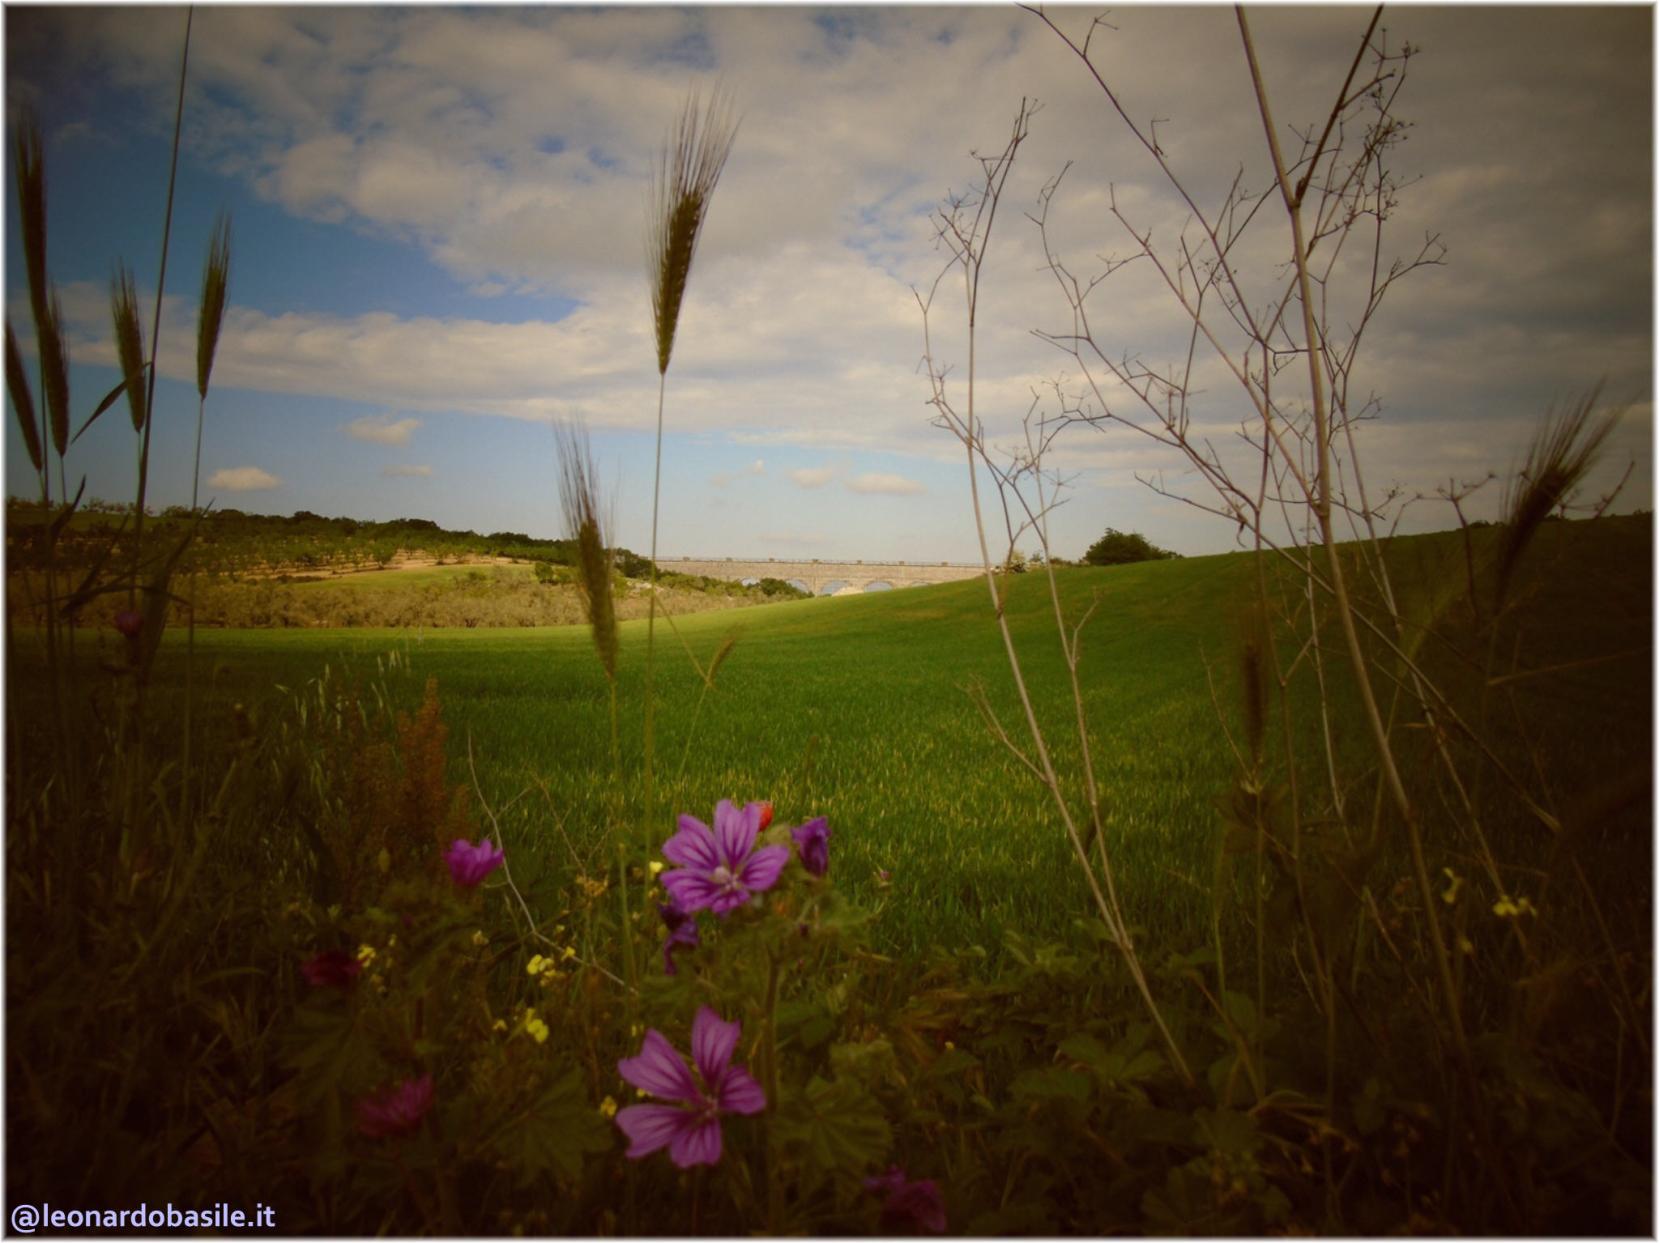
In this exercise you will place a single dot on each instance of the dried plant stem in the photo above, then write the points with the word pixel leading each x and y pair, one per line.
pixel 512 887
pixel 968 239
pixel 155 323
pixel 651 616
pixel 1339 590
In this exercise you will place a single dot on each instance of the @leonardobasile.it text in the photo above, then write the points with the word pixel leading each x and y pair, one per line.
pixel 27 1218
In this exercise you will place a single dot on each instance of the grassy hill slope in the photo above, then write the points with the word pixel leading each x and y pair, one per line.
pixel 858 708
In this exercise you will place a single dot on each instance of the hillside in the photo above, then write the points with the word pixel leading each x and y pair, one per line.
pixel 254 571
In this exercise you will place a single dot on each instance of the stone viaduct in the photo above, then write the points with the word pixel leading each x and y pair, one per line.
pixel 826 577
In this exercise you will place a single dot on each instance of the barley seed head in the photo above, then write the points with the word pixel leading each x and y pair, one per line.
pixel 215 281
pixel 17 383
pixel 692 160
pixel 129 342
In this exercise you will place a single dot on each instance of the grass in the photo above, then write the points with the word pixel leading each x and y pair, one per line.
pixel 856 708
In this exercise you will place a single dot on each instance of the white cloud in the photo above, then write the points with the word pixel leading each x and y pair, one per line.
pixel 382 429
pixel 812 476
pixel 757 467
pixel 890 485
pixel 511 147
pixel 407 472
pixel 243 479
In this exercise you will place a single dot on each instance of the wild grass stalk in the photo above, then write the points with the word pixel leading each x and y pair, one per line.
pixel 52 353
pixel 155 321
pixel 692 160
pixel 210 314
pixel 580 505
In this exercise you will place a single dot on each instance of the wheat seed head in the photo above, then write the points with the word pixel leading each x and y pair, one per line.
pixel 30 169
pixel 17 384
pixel 1562 453
pixel 129 342
pixel 215 281
pixel 692 159
pixel 579 503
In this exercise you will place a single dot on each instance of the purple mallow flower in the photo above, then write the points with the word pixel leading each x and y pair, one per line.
pixel 720 869
pixel 396 1110
pixel 682 931
pixel 129 622
pixel 689 1129
pixel 469 864
pixel 331 969
pixel 909 1205
pixel 812 840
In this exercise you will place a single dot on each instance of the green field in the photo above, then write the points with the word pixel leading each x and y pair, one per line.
pixel 259 939
pixel 857 708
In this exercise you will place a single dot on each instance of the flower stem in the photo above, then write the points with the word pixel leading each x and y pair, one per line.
pixel 774 1183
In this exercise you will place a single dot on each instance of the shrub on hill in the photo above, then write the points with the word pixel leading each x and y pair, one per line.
pixel 1123 548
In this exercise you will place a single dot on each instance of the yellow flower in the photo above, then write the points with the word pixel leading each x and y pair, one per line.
pixel 478 938
pixel 567 954
pixel 608 1106
pixel 656 869
pixel 1509 908
pixel 537 1030
pixel 500 1025
pixel 534 966
pixel 365 954
pixel 1449 894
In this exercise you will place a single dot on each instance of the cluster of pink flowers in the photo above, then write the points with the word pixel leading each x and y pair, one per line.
pixel 399 1108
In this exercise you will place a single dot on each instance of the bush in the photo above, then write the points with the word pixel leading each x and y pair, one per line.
pixel 1122 548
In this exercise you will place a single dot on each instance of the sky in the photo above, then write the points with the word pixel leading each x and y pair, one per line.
pixel 439 221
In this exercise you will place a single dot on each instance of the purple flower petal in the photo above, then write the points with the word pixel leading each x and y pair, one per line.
pixel 650 1127
pixel 660 1070
pixel 917 1204
pixel 694 891
pixel 735 830
pixel 812 838
pixel 763 868
pixel 909 1205
pixel 729 900
pixel 395 1110
pixel 698 1143
pixel 693 846
pixel 331 969
pixel 470 864
pixel 737 1092
pixel 712 1043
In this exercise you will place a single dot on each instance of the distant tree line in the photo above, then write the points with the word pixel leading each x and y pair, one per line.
pixel 231 541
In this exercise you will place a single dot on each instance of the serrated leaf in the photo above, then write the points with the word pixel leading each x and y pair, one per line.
pixel 1086 1049
pixel 872 1063
pixel 1227 1130
pixel 951 1062
pixel 1051 1083
pixel 555 1133
pixel 836 1124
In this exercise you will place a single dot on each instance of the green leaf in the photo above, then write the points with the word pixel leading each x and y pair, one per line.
pixel 872 1063
pixel 1227 1130
pixel 108 401
pixel 1086 1049
pixel 1051 1083
pixel 836 1124
pixel 951 1063
pixel 555 1132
